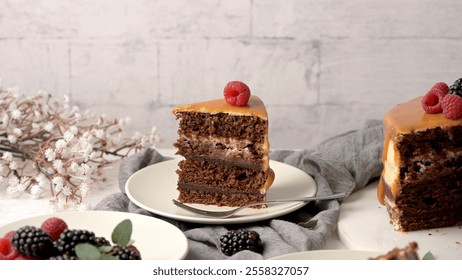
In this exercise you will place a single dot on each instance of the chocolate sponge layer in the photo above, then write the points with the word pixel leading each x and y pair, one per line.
pixel 220 177
pixel 250 128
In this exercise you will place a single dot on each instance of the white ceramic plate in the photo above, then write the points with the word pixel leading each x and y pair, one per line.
pixel 154 187
pixel 364 225
pixel 155 238
pixel 329 255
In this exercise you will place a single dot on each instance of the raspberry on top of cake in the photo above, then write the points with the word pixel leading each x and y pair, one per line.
pixel 224 143
pixel 421 181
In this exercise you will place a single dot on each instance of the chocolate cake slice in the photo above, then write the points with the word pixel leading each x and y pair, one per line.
pixel 421 182
pixel 225 150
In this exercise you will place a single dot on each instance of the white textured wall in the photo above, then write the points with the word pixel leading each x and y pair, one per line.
pixel 322 66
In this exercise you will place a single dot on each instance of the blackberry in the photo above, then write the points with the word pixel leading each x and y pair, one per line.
pixel 456 88
pixel 71 237
pixel 101 241
pixel 238 240
pixel 33 242
pixel 127 253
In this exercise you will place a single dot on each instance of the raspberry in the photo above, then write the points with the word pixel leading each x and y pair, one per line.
pixel 441 86
pixel 452 106
pixel 7 250
pixel 236 93
pixel 431 102
pixel 9 234
pixel 4 246
pixel 54 226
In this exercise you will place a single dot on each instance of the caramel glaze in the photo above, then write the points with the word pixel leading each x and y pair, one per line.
pixel 254 107
pixel 407 118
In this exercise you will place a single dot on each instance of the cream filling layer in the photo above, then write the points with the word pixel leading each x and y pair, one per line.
pixel 390 167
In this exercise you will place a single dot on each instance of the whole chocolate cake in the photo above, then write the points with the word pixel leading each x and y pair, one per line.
pixel 225 148
pixel 421 182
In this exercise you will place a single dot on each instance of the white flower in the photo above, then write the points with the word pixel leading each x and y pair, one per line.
pixel 12 139
pixel 87 148
pixel 58 183
pixel 66 99
pixel 84 207
pixel 85 169
pixel 99 133
pixel 2 167
pixel 74 167
pixel 17 131
pixel 60 144
pixel 77 116
pixel 84 189
pixel 13 181
pixel 12 191
pixel 49 126
pixel 16 114
pixel 7 156
pixel 36 190
pixel 137 136
pixel 67 190
pixel 58 165
pixel 42 180
pixel 68 136
pixel 73 129
pixel 35 128
pixel 13 165
pixel 50 154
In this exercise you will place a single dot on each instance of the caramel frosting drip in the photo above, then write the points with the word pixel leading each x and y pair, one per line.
pixel 255 107
pixel 406 118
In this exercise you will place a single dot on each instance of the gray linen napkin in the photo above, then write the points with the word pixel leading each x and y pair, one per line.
pixel 344 163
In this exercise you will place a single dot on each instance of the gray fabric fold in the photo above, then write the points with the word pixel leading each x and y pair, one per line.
pixel 344 163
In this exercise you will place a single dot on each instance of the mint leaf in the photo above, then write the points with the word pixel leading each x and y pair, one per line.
pixel 105 249
pixel 122 233
pixel 85 251
pixel 311 224
pixel 428 256
pixel 108 257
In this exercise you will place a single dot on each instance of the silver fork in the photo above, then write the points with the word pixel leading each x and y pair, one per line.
pixel 229 213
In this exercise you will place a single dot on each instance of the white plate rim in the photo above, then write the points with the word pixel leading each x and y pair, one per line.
pixel 183 215
pixel 330 254
pixel 180 245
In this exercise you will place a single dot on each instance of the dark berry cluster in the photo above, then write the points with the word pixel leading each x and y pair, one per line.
pixel 33 242
pixel 238 240
pixel 456 88
pixel 55 241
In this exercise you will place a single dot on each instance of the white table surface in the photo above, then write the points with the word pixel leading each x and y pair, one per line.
pixel 13 209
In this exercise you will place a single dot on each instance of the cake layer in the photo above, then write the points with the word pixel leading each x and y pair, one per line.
pixel 250 128
pixel 419 206
pixel 228 151
pixel 220 177
pixel 218 198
